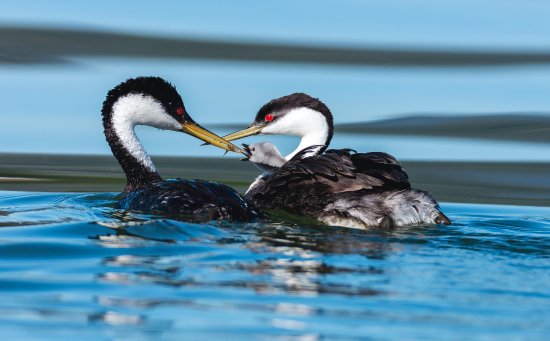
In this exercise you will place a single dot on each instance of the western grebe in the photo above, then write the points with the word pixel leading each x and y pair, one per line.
pixel 154 102
pixel 336 187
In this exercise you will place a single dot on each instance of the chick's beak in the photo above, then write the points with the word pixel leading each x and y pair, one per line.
pixel 199 132
pixel 246 151
pixel 252 130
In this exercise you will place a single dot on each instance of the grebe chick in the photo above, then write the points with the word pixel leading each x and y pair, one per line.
pixel 154 102
pixel 336 187
pixel 264 155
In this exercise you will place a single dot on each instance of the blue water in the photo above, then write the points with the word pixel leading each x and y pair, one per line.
pixel 71 264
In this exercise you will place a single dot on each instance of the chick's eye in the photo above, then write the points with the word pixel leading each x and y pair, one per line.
pixel 179 111
pixel 268 118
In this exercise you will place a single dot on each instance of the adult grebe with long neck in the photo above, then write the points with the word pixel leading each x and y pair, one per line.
pixel 336 187
pixel 152 101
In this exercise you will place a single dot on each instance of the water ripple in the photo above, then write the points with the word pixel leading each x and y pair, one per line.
pixel 74 263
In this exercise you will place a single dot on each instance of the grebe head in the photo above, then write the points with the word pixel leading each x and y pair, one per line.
pixel 154 102
pixel 297 114
pixel 148 101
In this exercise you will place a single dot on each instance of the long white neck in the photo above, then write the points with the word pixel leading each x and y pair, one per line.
pixel 312 139
pixel 136 109
pixel 311 125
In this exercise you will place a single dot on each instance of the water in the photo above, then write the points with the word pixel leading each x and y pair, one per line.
pixel 71 264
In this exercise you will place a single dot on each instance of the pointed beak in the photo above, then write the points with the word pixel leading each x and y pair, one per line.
pixel 199 132
pixel 252 130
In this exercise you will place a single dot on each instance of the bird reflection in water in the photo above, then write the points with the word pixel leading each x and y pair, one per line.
pixel 276 272
pixel 279 258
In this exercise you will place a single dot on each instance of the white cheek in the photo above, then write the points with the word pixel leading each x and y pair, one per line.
pixel 137 109
pixel 298 122
pixel 283 126
pixel 165 122
pixel 309 124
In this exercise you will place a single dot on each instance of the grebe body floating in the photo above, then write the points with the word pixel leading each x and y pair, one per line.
pixel 336 187
pixel 152 101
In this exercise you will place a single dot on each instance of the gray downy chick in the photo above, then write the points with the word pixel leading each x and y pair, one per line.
pixel 265 156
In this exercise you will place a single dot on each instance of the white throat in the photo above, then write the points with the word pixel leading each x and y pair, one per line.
pixel 135 109
pixel 311 125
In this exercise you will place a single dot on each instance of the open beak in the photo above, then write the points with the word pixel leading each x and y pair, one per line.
pixel 199 132
pixel 246 152
pixel 252 130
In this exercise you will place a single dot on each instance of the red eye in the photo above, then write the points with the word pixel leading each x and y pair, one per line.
pixel 179 111
pixel 268 118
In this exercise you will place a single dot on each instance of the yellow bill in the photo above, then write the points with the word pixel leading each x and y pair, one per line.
pixel 199 132
pixel 252 130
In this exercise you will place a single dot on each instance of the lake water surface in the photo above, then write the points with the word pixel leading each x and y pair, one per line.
pixel 71 264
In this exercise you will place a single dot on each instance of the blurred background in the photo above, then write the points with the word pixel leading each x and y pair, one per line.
pixel 424 80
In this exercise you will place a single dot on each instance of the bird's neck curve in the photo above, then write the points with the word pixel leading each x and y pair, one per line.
pixel 312 139
pixel 119 122
pixel 314 128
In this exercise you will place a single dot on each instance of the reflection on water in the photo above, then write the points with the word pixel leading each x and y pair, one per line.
pixel 82 266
